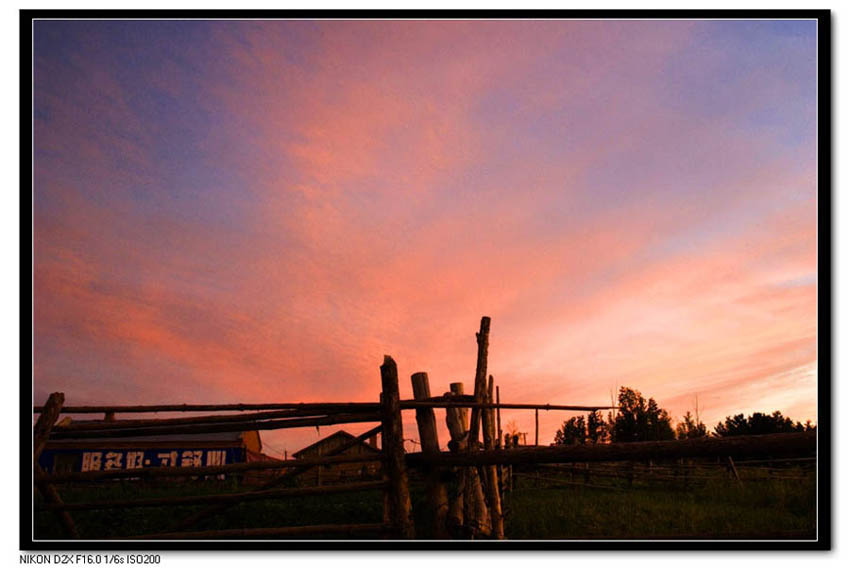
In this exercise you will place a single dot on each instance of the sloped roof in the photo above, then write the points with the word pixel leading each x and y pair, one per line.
pixel 343 437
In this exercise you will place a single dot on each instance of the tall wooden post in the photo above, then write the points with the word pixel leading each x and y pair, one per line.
pixel 500 442
pixel 41 432
pixel 494 498
pixel 498 417
pixel 437 497
pixel 398 491
pixel 482 337
pixel 385 476
pixel 471 501
pixel 45 422
pixel 456 418
pixel 536 427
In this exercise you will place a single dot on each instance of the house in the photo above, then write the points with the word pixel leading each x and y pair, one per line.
pixel 340 473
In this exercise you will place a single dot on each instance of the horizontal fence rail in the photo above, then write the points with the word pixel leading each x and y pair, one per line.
pixel 562 482
pixel 117 431
pixel 784 443
pixel 184 407
pixel 463 401
pixel 221 498
pixel 454 403
pixel 250 533
pixel 75 427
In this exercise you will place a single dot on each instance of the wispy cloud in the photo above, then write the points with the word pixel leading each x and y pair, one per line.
pixel 261 210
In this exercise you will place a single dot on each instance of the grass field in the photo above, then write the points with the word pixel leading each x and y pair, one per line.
pixel 713 508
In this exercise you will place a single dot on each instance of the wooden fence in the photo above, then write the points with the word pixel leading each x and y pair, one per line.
pixel 463 487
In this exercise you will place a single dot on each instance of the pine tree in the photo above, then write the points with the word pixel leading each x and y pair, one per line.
pixel 690 428
pixel 572 432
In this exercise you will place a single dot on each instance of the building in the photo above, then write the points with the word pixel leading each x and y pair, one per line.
pixel 184 450
pixel 340 473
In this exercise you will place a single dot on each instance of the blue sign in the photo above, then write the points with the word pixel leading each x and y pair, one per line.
pixel 80 460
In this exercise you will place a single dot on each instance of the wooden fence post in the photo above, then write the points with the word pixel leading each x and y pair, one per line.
pixel 498 417
pixel 500 442
pixel 437 497
pixel 398 491
pixel 471 503
pixel 733 470
pixel 537 427
pixel 41 432
pixel 506 468
pixel 494 498
pixel 482 337
pixel 45 422
pixel 456 421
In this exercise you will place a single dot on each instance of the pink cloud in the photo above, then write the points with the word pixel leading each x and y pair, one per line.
pixel 392 184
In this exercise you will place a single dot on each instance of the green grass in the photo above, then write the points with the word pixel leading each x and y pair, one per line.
pixel 719 507
pixel 714 508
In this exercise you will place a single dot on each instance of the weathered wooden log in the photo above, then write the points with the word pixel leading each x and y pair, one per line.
pixel 51 497
pixel 289 475
pixel 772 460
pixel 494 498
pixel 482 338
pixel 467 477
pixel 498 418
pixel 646 476
pixel 469 403
pixel 499 444
pixel 468 508
pixel 537 427
pixel 45 423
pixel 778 444
pixel 74 427
pixel 480 522
pixel 393 447
pixel 186 407
pixel 221 498
pixel 319 408
pixel 167 471
pixel 708 537
pixel 385 477
pixel 435 490
pixel 336 419
pixel 252 533
pixel 41 432
pixel 456 418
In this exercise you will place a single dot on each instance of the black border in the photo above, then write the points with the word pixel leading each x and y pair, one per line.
pixel 825 290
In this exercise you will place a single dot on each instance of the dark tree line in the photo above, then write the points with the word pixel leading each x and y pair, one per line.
pixel 760 424
pixel 638 419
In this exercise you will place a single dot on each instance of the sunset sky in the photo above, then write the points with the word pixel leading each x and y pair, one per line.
pixel 259 211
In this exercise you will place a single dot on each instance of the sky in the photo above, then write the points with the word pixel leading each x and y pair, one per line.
pixel 259 211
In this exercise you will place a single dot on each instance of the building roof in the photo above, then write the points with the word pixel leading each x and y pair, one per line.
pixel 343 437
